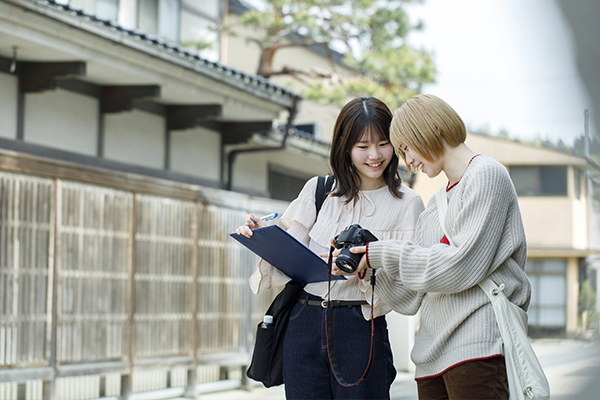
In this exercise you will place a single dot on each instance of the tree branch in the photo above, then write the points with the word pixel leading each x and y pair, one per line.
pixel 299 74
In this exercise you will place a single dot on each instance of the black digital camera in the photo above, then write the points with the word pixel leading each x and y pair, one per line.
pixel 352 236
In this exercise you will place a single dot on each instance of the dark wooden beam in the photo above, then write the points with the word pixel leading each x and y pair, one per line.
pixel 240 132
pixel 189 116
pixel 5 65
pixel 116 99
pixel 40 76
pixel 80 87
pixel 151 107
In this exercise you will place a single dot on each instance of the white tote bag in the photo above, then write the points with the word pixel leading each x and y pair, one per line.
pixel 526 378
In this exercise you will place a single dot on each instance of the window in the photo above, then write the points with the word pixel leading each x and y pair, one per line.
pixel 540 180
pixel 548 307
pixel 306 128
pixel 285 184
pixel 160 18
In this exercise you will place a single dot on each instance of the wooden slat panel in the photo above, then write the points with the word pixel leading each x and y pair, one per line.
pixel 24 245
pixel 164 277
pixel 94 235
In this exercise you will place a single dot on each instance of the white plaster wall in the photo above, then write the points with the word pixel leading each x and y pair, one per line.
pixel 324 114
pixel 135 137
pixel 196 152
pixel 241 55
pixel 62 120
pixel 251 171
pixel 8 106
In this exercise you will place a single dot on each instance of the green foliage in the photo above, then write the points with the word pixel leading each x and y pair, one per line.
pixel 197 45
pixel 588 306
pixel 370 33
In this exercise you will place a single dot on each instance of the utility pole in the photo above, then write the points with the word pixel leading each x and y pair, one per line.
pixel 591 261
pixel 586 127
pixel 588 179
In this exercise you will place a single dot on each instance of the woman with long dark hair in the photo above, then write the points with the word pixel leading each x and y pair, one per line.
pixel 367 191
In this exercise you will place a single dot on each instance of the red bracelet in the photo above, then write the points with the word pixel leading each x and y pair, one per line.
pixel 364 271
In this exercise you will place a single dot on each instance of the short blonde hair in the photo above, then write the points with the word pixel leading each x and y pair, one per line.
pixel 422 123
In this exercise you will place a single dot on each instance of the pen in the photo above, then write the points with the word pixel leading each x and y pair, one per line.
pixel 269 217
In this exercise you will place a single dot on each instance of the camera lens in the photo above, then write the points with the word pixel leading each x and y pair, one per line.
pixel 346 261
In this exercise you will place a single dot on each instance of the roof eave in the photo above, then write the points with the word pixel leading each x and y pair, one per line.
pixel 252 84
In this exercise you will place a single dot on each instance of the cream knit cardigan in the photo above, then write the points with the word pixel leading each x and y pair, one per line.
pixel 457 321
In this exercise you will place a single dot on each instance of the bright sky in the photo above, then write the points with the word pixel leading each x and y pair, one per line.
pixel 506 64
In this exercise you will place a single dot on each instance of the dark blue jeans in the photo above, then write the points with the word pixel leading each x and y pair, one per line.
pixel 306 370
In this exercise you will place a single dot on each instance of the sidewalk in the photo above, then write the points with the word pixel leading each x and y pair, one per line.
pixel 403 388
pixel 554 355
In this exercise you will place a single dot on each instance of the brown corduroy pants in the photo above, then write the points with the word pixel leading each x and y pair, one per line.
pixel 474 380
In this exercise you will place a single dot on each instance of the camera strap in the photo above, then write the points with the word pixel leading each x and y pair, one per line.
pixel 329 332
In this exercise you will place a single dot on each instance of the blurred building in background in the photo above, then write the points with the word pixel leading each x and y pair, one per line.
pixel 560 215
pixel 133 138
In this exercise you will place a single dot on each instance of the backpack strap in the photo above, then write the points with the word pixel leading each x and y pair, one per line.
pixel 324 185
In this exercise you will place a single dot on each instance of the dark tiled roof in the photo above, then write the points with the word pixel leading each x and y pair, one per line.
pixel 226 72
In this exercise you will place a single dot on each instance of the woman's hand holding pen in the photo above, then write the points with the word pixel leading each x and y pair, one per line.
pixel 254 222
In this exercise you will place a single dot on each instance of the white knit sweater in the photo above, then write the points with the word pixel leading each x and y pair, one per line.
pixel 457 320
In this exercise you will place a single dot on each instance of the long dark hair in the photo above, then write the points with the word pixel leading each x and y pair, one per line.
pixel 360 115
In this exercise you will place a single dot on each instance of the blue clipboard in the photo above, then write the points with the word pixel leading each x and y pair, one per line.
pixel 287 254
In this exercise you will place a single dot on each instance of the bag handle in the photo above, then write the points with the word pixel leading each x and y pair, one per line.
pixel 441 200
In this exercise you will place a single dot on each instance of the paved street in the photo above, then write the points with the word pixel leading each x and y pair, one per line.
pixel 572 368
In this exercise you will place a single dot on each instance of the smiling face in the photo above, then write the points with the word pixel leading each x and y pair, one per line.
pixel 416 162
pixel 370 157
pixel 420 130
pixel 361 155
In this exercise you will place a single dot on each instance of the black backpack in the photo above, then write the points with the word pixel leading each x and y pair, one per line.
pixel 267 357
